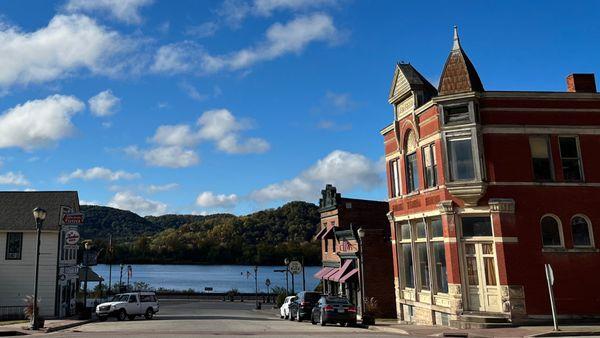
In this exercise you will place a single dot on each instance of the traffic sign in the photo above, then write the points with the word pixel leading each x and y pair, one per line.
pixel 295 267
pixel 73 218
pixel 268 282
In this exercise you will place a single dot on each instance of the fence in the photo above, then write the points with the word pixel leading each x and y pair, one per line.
pixel 12 312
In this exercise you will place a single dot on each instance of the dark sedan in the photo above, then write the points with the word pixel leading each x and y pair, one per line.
pixel 301 308
pixel 333 309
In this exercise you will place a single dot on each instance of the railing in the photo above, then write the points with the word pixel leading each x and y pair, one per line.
pixel 12 312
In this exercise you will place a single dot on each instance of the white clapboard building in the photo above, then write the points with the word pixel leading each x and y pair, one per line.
pixel 58 271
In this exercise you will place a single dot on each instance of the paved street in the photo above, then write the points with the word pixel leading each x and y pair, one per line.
pixel 190 318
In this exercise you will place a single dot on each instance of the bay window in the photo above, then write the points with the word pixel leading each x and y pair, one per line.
pixel 460 159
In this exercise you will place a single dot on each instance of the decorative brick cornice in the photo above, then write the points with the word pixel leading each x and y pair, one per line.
pixel 446 207
pixel 502 205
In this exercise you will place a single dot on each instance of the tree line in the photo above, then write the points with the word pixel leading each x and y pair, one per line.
pixel 266 237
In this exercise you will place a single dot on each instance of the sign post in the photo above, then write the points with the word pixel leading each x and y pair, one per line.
pixel 550 280
pixel 295 268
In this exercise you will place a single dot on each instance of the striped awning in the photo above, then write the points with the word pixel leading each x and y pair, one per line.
pixel 322 272
pixel 320 233
pixel 341 271
pixel 325 233
pixel 330 273
pixel 352 273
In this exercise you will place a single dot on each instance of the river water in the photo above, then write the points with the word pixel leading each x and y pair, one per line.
pixel 220 278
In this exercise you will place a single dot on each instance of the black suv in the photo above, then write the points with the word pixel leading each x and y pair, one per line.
pixel 301 308
pixel 333 309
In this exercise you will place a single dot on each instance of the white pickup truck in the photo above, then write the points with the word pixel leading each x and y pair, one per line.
pixel 129 305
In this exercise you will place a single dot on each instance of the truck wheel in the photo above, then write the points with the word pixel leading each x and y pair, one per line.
pixel 322 320
pixel 149 314
pixel 121 315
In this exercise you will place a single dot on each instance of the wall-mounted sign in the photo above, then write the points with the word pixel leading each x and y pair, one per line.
pixel 72 237
pixel 90 258
pixel 295 267
pixel 73 218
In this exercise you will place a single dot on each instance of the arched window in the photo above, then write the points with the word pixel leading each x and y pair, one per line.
pixel 581 228
pixel 551 231
pixel 410 160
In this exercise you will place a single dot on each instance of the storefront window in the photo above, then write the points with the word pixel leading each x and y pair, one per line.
pixel 405 231
pixel 423 265
pixel 435 225
pixel 421 230
pixel 409 279
pixel 441 276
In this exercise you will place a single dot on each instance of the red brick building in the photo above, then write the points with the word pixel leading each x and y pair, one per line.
pixel 345 254
pixel 485 187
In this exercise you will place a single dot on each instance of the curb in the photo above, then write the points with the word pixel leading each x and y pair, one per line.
pixel 388 329
pixel 566 334
pixel 68 326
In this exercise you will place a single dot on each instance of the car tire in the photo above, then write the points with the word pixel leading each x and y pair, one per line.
pixel 322 320
pixel 312 319
pixel 121 315
pixel 290 316
pixel 102 318
pixel 149 313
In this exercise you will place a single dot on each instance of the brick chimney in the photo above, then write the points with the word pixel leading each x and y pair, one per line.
pixel 581 83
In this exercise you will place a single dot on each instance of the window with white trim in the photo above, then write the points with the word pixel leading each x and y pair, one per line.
pixel 410 161
pixel 395 177
pixel 430 165
pixel 551 231
pixel 541 158
pixel 14 245
pixel 405 261
pixel 438 247
pixel 581 229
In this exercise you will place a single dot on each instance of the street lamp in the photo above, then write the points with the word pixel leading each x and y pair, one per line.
pixel 39 215
pixel 87 245
pixel 286 261
pixel 361 236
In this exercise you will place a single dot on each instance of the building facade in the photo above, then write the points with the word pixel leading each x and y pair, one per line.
pixel 353 265
pixel 485 187
pixel 58 272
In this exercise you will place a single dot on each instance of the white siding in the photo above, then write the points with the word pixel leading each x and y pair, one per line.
pixel 17 276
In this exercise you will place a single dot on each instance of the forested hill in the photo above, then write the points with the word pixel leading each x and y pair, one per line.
pixel 264 237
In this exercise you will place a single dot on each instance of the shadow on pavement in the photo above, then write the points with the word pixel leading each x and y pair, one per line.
pixel 192 317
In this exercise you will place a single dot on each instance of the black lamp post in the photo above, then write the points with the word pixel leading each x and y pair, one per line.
pixel 40 215
pixel 286 261
pixel 86 248
pixel 361 236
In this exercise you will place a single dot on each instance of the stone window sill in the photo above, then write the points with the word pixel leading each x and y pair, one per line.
pixel 570 250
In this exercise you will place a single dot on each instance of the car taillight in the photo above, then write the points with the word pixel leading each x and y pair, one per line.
pixel 352 309
pixel 304 304
pixel 328 308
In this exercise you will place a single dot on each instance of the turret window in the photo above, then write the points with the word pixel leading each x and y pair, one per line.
pixel 460 158
pixel 412 173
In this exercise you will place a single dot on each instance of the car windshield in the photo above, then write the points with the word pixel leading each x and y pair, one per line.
pixel 120 298
pixel 312 297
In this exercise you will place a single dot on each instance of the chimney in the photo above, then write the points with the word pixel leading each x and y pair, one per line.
pixel 581 83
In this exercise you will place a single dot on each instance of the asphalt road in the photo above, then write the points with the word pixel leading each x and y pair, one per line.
pixel 193 318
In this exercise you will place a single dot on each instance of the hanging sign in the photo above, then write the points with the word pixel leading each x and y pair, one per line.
pixel 73 218
pixel 72 237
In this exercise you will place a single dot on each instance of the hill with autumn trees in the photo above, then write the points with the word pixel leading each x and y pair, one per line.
pixel 265 237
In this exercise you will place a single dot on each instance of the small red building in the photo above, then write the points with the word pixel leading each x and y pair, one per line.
pixel 485 187
pixel 356 250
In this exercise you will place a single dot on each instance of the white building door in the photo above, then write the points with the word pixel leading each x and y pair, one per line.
pixel 483 293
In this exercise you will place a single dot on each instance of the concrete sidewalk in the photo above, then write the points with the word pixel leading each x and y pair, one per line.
pixel 51 325
pixel 391 326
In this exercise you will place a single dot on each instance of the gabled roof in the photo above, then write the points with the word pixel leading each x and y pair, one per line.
pixel 16 208
pixel 459 75
pixel 407 79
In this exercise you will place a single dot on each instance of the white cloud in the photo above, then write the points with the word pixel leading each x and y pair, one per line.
pixel 160 188
pixel 67 44
pixel 84 202
pixel 192 92
pixel 11 178
pixel 235 11
pixel 127 11
pixel 38 123
pixel 175 135
pixel 223 128
pixel 347 171
pixel 126 200
pixel 99 173
pixel 104 103
pixel 208 199
pixel 203 30
pixel 281 39
pixel 165 156
pixel 341 101
pixel 266 7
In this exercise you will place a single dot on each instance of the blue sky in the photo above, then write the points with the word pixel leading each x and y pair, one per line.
pixel 233 105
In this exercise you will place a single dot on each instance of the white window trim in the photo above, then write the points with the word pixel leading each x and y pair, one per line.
pixel 560 232
pixel 590 231
pixel 550 157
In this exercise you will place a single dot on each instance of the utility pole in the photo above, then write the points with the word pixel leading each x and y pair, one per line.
pixel 109 264
pixel 121 278
pixel 256 286
pixel 303 276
